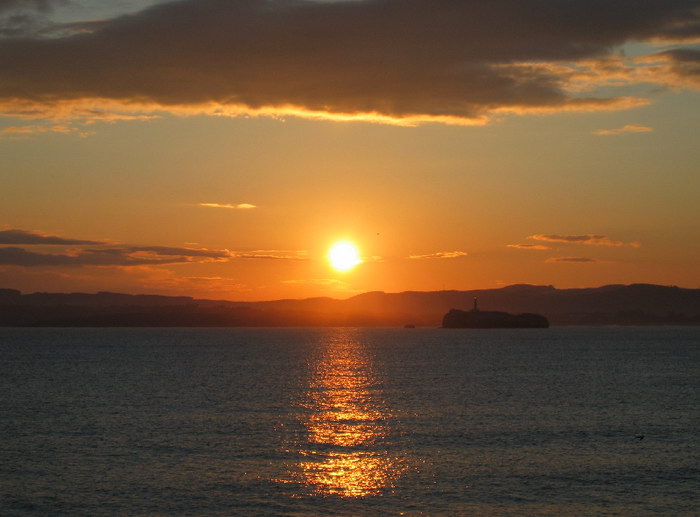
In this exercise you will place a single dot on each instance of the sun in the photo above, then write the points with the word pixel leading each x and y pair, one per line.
pixel 344 256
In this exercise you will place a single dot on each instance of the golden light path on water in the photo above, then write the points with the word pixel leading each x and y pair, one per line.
pixel 345 450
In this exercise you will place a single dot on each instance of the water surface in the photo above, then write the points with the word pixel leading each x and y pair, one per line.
pixel 303 422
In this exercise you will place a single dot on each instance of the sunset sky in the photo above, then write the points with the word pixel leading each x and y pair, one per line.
pixel 219 148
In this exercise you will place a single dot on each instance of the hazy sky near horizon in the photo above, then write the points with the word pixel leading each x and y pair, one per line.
pixel 218 148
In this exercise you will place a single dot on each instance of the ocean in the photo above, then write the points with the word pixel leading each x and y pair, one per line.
pixel 349 422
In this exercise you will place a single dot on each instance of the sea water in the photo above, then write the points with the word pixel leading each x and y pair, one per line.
pixel 349 422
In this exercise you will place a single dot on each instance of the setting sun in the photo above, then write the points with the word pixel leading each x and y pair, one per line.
pixel 344 256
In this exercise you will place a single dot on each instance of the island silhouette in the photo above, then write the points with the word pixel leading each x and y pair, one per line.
pixel 478 319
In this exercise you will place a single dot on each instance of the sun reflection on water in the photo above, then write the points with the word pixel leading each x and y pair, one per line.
pixel 345 450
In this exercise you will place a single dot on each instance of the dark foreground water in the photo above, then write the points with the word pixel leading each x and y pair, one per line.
pixel 306 422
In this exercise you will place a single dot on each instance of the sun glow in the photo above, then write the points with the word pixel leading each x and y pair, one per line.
pixel 344 256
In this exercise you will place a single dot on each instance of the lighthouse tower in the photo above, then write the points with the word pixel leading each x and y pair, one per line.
pixel 476 305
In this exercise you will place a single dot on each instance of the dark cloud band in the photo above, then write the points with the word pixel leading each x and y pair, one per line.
pixel 96 253
pixel 12 256
pixel 399 59
pixel 27 237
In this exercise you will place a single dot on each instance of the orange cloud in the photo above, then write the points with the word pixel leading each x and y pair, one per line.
pixel 528 246
pixel 588 238
pixel 271 254
pixel 440 255
pixel 240 206
pixel 89 110
pixel 675 68
pixel 630 128
pixel 33 130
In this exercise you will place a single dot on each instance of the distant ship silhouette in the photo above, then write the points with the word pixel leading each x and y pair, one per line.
pixel 478 319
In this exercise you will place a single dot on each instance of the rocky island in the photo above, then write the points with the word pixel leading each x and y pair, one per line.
pixel 477 319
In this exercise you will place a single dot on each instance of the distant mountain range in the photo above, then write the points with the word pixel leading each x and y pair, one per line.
pixel 637 304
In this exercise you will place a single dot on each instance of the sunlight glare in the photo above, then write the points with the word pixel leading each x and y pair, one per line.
pixel 344 256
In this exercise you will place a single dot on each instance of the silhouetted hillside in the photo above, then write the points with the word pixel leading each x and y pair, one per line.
pixel 637 304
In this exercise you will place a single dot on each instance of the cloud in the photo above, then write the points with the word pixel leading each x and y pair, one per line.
pixel 270 255
pixel 89 111
pixel 395 61
pixel 25 18
pixel 176 252
pixel 32 130
pixel 683 65
pixel 581 260
pixel 18 132
pixel 240 206
pixel 674 68
pixel 31 237
pixel 87 257
pixel 13 256
pixel 528 246
pixel 440 255
pixel 36 5
pixel 588 238
pixel 630 128
pixel 100 253
pixel 108 256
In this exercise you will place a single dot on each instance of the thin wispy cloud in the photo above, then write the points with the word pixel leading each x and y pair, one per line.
pixel 270 255
pixel 34 130
pixel 393 61
pixel 167 251
pixel 440 255
pixel 588 238
pixel 574 260
pixel 18 132
pixel 538 247
pixel 239 206
pixel 85 111
pixel 630 128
